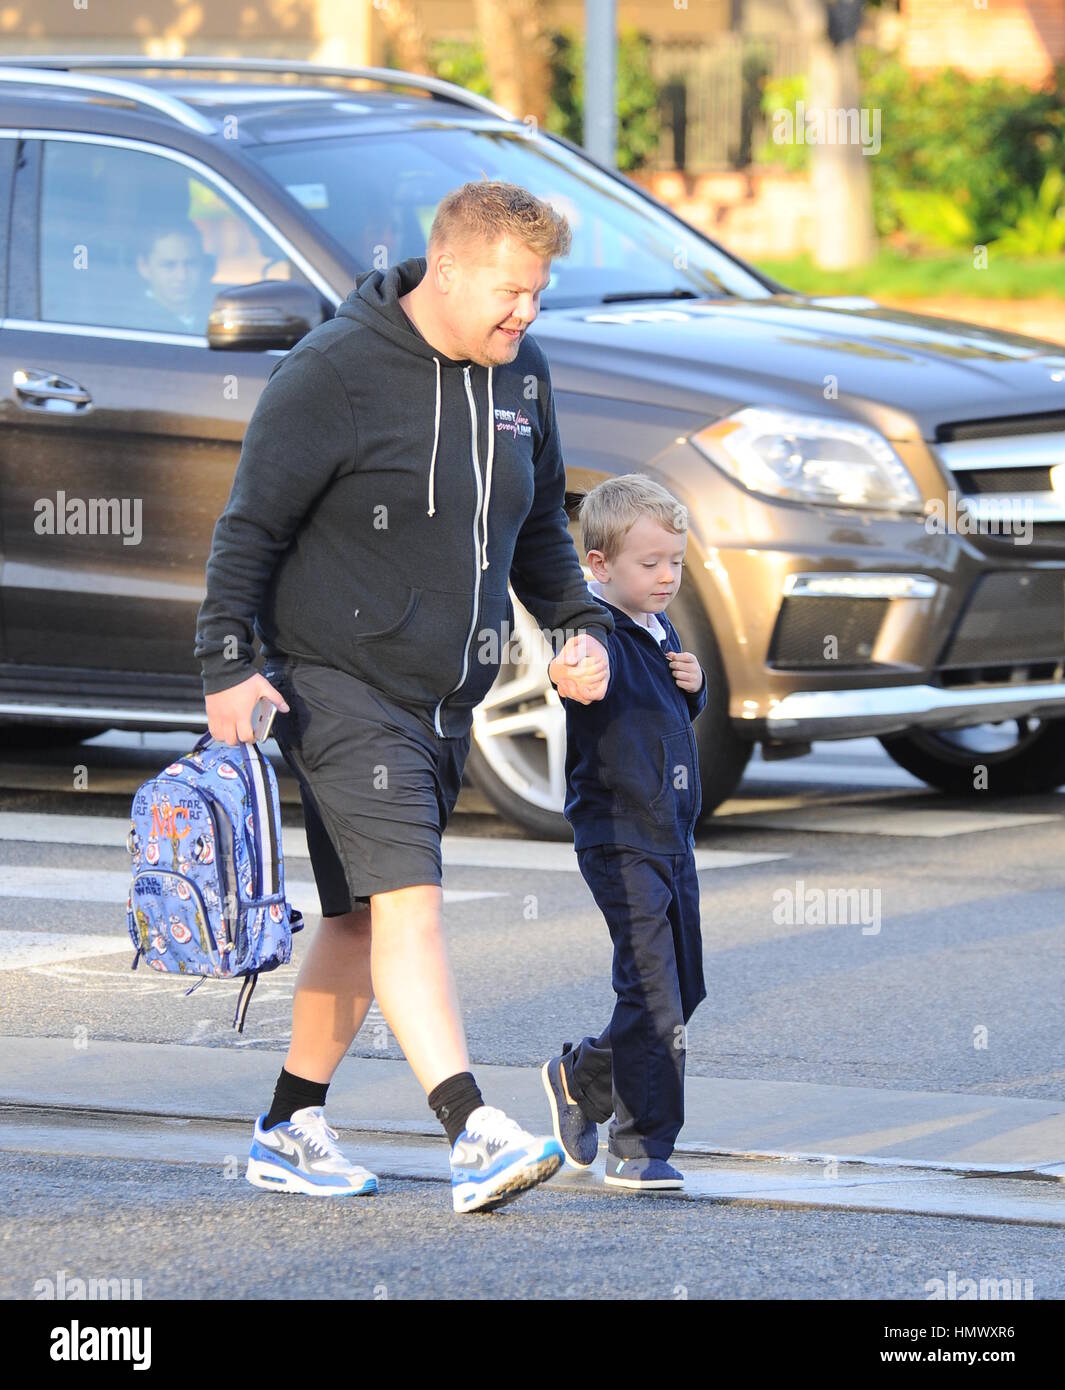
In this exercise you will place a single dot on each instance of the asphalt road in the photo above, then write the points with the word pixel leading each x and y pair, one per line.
pixel 950 979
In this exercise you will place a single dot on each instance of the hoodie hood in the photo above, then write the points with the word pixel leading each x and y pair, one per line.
pixel 374 301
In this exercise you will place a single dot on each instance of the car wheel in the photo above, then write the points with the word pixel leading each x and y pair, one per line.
pixel 16 736
pixel 517 757
pixel 1005 759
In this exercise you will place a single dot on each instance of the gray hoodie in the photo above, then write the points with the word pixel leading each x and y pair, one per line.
pixel 384 496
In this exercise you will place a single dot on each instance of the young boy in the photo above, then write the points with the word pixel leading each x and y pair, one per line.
pixel 633 799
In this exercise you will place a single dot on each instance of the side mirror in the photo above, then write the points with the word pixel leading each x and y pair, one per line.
pixel 269 314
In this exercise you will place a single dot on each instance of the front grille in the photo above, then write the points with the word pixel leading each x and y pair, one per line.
pixel 1047 422
pixel 1011 617
pixel 806 627
pixel 1007 480
pixel 1003 479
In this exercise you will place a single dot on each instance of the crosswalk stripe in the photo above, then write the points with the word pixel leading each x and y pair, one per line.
pixel 458 851
pixel 19 950
pixel 112 886
pixel 894 820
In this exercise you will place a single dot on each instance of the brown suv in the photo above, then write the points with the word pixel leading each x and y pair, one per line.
pixel 876 499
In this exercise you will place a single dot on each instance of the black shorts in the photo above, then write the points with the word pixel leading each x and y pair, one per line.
pixel 377 783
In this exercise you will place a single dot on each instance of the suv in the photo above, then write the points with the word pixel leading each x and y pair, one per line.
pixel 876 499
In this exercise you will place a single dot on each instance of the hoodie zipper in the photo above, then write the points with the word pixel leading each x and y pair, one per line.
pixel 476 554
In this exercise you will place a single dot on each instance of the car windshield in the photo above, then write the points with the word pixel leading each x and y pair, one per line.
pixel 376 196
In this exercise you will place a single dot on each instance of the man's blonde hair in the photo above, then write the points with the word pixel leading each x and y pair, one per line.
pixel 483 212
pixel 608 513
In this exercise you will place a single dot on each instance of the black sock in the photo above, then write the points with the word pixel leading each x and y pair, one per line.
pixel 293 1093
pixel 453 1101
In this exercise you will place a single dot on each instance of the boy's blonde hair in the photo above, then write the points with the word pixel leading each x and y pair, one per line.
pixel 484 212
pixel 612 508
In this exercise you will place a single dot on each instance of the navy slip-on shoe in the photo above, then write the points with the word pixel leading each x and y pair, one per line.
pixel 642 1174
pixel 578 1135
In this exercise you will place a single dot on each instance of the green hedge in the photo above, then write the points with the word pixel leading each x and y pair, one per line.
pixel 962 161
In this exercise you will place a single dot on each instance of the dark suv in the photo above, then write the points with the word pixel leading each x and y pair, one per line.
pixel 876 499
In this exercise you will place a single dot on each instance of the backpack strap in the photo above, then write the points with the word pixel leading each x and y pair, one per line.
pixel 247 989
pixel 265 831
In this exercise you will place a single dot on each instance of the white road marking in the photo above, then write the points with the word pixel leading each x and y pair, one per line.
pixel 458 851
pixel 470 852
pixel 112 886
pixel 20 950
pixel 892 820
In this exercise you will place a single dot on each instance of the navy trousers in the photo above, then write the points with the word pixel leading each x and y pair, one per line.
pixel 634 1070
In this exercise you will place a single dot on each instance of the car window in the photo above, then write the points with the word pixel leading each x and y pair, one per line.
pixel 135 240
pixel 377 194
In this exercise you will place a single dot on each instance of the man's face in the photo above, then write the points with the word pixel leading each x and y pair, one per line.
pixel 646 572
pixel 173 270
pixel 490 296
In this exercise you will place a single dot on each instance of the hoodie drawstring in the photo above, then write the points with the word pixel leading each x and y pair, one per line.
pixel 436 441
pixel 488 473
pixel 488 470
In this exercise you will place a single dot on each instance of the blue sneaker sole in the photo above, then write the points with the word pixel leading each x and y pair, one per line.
pixel 275 1177
pixel 490 1195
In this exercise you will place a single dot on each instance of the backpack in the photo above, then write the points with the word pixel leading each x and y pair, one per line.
pixel 208 892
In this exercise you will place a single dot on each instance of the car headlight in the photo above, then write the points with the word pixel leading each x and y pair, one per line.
pixel 810 458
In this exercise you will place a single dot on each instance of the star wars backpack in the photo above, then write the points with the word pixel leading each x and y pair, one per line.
pixel 208 892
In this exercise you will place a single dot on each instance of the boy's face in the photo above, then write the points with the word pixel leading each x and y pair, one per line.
pixel 646 573
pixel 173 270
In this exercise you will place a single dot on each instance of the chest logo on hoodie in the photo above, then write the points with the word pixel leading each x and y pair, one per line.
pixel 514 422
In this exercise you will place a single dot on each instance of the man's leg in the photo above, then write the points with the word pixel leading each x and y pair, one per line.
pixel 333 995
pixel 413 982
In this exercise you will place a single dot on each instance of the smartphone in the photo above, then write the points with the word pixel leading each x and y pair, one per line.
pixel 262 718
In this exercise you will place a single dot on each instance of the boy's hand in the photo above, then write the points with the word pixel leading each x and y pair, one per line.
pixel 686 671
pixel 581 671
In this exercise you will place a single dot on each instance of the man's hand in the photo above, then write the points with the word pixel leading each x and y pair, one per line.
pixel 581 671
pixel 686 671
pixel 229 711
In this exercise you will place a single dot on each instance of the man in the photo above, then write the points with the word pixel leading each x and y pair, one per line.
pixel 402 464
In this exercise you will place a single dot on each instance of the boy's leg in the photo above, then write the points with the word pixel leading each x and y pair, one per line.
pixel 587 1069
pixel 687 932
pixel 646 1031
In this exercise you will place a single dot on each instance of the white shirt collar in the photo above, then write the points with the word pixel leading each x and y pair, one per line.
pixel 648 620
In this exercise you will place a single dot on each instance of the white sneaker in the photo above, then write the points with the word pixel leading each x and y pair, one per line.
pixel 494 1160
pixel 300 1155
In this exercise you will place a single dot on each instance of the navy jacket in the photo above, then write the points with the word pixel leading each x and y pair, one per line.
pixel 632 768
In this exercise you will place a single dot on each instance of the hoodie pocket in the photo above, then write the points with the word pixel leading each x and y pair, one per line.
pixel 675 802
pixel 393 629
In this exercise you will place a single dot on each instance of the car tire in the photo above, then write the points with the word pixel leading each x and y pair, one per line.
pixel 951 760
pixel 498 772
